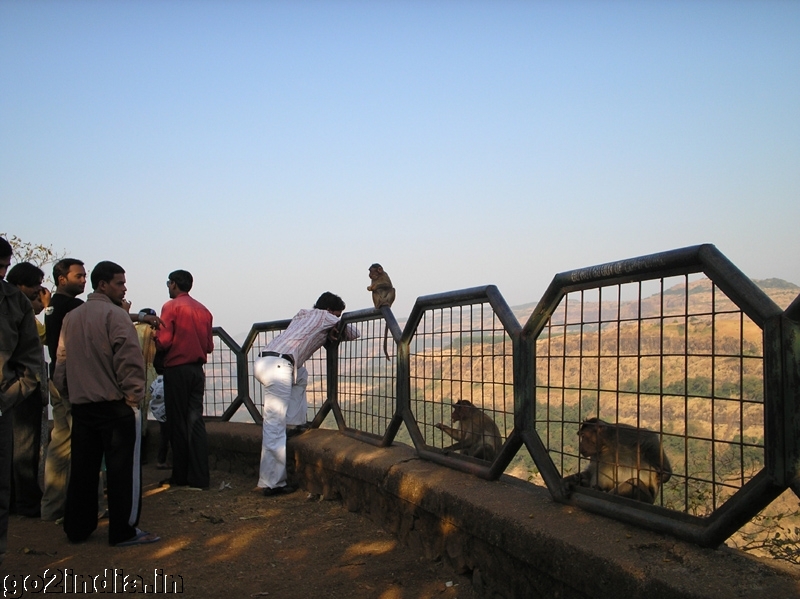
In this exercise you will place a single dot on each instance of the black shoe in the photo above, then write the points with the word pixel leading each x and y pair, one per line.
pixel 288 489
pixel 292 431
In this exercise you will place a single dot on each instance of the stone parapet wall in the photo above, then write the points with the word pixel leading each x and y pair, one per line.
pixel 509 536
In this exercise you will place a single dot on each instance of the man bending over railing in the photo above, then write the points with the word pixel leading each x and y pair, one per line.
pixel 280 370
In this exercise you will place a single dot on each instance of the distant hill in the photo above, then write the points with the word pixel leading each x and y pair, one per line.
pixel 640 355
pixel 776 284
pixel 779 291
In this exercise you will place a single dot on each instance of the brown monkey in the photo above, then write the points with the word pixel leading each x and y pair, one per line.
pixel 475 433
pixel 623 460
pixel 382 295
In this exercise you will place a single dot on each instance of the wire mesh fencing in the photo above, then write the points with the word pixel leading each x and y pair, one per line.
pixel 367 381
pixel 462 353
pixel 221 377
pixel 677 361
pixel 671 355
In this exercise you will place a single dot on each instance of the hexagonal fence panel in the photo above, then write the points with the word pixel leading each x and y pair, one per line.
pixel 673 344
pixel 221 395
pixel 366 376
pixel 460 349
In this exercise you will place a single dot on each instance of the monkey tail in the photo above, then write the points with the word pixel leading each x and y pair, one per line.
pixel 386 342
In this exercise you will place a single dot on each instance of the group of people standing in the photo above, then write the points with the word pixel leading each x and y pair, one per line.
pixel 96 389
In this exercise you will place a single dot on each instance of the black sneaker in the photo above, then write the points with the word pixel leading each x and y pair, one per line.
pixel 293 431
pixel 286 490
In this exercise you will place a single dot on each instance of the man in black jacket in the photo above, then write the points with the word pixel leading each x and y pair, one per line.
pixel 26 416
pixel 70 278
pixel 20 364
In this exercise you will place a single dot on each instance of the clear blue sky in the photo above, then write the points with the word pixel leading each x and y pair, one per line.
pixel 276 149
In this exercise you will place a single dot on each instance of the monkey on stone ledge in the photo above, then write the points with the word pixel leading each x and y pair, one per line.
pixel 475 433
pixel 623 460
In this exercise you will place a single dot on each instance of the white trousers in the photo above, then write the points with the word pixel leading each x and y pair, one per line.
pixel 284 403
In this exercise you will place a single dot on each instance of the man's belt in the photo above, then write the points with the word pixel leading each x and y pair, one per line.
pixel 275 354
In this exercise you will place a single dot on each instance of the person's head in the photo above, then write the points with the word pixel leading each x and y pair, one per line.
pixel 38 302
pixel 179 281
pixel 69 276
pixel 108 278
pixel 330 302
pixel 5 257
pixel 28 278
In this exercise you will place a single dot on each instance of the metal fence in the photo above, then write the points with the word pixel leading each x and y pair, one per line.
pixel 680 344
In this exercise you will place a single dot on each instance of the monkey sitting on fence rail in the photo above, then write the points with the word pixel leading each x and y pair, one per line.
pixel 623 460
pixel 475 433
pixel 383 294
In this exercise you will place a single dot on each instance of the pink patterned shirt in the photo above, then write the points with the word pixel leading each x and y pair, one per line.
pixel 307 333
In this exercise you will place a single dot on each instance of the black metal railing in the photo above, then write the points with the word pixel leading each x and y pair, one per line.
pixel 680 343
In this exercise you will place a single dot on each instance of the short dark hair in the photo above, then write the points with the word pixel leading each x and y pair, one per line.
pixel 182 278
pixel 5 248
pixel 61 268
pixel 329 301
pixel 25 273
pixel 105 271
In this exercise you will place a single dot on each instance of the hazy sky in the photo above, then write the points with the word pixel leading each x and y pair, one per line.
pixel 276 149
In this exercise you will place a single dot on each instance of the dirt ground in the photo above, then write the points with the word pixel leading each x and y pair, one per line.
pixel 231 540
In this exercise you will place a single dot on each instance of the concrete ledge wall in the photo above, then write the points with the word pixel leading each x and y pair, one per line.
pixel 510 537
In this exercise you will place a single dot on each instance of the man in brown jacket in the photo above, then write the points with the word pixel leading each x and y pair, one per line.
pixel 100 370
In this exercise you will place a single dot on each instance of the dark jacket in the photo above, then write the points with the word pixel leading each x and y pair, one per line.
pixel 20 349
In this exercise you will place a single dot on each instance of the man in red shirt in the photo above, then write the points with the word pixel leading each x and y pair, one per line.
pixel 185 336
